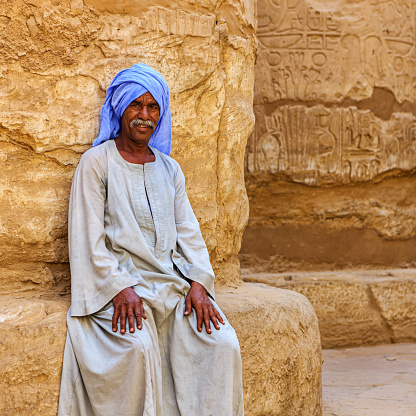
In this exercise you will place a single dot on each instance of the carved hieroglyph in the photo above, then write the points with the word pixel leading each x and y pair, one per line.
pixel 332 57
pixel 338 145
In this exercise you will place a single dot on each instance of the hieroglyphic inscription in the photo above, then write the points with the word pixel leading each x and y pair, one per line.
pixel 314 52
pixel 311 54
pixel 326 146
pixel 179 22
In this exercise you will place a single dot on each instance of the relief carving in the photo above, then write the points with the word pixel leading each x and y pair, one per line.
pixel 319 145
pixel 321 58
pixel 303 51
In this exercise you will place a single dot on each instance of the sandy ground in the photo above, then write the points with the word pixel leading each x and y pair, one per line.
pixel 370 381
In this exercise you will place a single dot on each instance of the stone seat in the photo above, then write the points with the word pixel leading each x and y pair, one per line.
pixel 277 329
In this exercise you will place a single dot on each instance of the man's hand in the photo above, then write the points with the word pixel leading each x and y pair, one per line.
pixel 127 304
pixel 205 312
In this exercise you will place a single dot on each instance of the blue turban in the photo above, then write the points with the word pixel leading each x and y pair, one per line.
pixel 128 85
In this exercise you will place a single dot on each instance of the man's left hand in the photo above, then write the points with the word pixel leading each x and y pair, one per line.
pixel 198 299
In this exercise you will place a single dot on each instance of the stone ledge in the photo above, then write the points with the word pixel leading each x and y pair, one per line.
pixel 278 332
pixel 32 337
pixel 358 307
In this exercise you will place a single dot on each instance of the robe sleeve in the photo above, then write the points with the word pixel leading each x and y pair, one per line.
pixel 96 276
pixel 191 257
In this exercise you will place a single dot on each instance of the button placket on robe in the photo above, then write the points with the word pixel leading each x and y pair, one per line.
pixel 151 171
pixel 142 209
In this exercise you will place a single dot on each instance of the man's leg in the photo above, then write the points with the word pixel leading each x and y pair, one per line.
pixel 109 373
pixel 206 368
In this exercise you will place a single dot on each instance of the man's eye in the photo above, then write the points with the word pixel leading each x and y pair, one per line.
pixel 154 106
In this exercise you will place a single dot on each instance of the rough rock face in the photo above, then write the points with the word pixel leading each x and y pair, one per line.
pixel 32 338
pixel 355 308
pixel 333 153
pixel 56 61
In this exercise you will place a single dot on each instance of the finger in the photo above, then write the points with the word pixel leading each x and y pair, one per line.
pixel 116 315
pixel 130 315
pixel 200 319
pixel 214 318
pixel 143 312
pixel 138 314
pixel 218 315
pixel 123 316
pixel 207 319
pixel 199 316
pixel 188 304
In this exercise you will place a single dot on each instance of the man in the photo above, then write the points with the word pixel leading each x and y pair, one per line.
pixel 144 334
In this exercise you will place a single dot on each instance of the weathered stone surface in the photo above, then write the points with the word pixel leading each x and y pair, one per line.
pixel 300 228
pixel 355 308
pixel 333 92
pixel 32 336
pixel 57 59
pixel 280 347
pixel 335 110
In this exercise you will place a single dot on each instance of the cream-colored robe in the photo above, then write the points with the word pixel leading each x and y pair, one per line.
pixel 132 225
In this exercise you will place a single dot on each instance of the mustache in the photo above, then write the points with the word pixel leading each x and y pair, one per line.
pixel 141 122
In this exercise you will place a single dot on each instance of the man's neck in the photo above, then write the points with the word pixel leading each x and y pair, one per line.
pixel 138 153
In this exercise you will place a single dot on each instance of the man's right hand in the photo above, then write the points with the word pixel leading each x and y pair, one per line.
pixel 128 305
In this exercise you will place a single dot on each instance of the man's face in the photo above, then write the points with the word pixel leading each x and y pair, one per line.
pixel 140 118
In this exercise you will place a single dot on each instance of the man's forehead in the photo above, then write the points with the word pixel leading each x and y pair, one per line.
pixel 145 97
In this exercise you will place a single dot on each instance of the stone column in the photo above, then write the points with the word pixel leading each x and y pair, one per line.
pixel 57 58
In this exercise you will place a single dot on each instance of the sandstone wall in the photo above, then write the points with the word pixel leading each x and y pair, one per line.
pixel 330 165
pixel 56 61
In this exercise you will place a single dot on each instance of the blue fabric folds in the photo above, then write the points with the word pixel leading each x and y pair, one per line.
pixel 126 86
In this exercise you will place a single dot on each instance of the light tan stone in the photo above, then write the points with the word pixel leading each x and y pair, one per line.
pixel 58 59
pixel 333 90
pixel 370 381
pixel 355 308
pixel 32 336
pixel 280 348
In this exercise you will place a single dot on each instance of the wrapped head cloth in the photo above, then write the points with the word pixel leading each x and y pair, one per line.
pixel 128 85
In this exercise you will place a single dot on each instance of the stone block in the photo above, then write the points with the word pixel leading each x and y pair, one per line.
pixel 333 146
pixel 59 58
pixel 280 347
pixel 277 329
pixel 32 337
pixel 355 308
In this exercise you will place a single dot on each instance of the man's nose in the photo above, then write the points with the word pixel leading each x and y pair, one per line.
pixel 144 113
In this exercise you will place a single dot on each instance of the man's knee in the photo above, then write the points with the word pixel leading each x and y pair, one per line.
pixel 226 339
pixel 140 341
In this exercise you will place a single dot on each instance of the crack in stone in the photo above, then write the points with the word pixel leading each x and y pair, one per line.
pixel 376 307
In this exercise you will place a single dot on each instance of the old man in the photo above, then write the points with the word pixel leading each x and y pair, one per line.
pixel 145 336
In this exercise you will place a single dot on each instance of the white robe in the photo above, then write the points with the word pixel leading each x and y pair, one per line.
pixel 132 225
